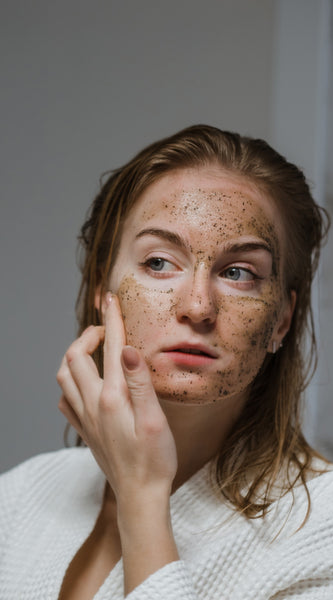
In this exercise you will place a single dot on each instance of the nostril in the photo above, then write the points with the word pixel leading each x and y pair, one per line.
pixel 199 313
pixel 196 303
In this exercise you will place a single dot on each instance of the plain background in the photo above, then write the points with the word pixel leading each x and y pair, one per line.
pixel 85 85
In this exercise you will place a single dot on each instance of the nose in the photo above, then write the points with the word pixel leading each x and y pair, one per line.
pixel 196 303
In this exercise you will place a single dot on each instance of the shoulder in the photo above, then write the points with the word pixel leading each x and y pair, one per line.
pixel 58 463
pixel 320 489
pixel 302 554
pixel 306 507
pixel 323 478
pixel 47 503
pixel 321 499
pixel 51 474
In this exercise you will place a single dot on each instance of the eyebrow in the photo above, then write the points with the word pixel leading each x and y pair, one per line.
pixel 234 247
pixel 170 236
pixel 230 247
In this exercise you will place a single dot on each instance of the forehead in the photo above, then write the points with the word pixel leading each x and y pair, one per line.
pixel 206 201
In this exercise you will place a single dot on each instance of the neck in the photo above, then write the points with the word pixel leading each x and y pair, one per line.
pixel 199 431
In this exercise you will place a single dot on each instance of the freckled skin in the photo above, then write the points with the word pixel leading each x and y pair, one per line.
pixel 208 210
pixel 245 325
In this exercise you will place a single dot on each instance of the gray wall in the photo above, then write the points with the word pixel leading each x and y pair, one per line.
pixel 84 85
pixel 324 420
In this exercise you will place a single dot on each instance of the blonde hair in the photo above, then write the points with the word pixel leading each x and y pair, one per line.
pixel 267 439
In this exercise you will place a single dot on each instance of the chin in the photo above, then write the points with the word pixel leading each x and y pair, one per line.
pixel 193 392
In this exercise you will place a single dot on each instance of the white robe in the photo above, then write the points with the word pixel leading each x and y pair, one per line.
pixel 50 503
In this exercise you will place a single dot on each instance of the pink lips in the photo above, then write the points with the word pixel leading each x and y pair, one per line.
pixel 191 354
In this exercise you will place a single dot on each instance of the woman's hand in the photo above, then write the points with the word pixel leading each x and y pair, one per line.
pixel 119 418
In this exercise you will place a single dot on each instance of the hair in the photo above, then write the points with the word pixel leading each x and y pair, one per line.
pixel 267 440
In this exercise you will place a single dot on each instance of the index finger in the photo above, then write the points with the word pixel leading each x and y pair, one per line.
pixel 115 340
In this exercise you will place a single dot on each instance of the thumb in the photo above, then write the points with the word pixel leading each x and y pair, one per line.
pixel 137 378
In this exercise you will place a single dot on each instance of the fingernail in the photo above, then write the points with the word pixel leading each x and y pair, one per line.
pixel 108 298
pixel 130 357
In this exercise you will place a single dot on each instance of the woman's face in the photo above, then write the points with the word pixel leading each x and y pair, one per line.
pixel 199 278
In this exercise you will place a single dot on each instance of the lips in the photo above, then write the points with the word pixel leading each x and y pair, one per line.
pixel 186 348
pixel 192 351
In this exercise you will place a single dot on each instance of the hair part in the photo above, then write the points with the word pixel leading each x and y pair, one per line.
pixel 267 440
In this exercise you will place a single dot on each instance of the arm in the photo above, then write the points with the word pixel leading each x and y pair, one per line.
pixel 143 510
pixel 121 420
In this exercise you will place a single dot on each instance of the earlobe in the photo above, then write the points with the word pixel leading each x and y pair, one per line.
pixel 283 325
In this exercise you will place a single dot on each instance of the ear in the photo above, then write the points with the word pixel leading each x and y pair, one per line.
pixel 283 324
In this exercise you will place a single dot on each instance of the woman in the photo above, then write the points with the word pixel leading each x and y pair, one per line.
pixel 185 384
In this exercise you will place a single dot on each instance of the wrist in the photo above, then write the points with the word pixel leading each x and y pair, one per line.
pixel 140 511
pixel 146 535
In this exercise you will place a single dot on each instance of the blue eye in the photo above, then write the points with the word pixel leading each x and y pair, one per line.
pixel 238 274
pixel 156 264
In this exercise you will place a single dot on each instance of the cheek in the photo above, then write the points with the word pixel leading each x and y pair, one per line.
pixel 246 326
pixel 242 333
pixel 247 323
pixel 145 311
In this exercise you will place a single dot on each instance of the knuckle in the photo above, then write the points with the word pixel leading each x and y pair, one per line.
pixel 61 375
pixel 72 353
pixel 153 426
pixel 106 405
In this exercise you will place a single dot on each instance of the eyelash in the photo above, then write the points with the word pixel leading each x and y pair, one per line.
pixel 242 270
pixel 148 266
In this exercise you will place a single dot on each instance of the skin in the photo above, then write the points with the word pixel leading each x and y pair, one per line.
pixel 190 299
pixel 159 414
